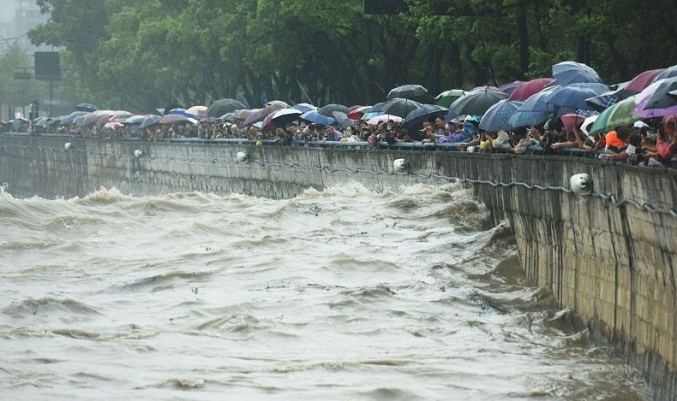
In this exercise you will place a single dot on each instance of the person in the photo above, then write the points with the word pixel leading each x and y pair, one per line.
pixel 523 138
pixel 666 144
pixel 440 126
pixel 633 152
pixel 617 140
pixel 373 140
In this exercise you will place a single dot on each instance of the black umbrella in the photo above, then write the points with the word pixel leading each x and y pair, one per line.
pixel 343 120
pixel 223 106
pixel 475 103
pixel 408 91
pixel 329 109
pixel 426 112
pixel 397 106
pixel 86 107
pixel 149 120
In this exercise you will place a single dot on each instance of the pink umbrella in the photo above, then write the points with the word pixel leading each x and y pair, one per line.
pixel 525 90
pixel 113 125
pixel 173 119
pixel 642 80
pixel 571 120
pixel 384 118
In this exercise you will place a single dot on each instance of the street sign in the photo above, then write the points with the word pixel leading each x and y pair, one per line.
pixel 47 66
pixel 22 75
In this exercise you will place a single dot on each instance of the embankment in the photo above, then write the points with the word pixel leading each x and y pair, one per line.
pixel 610 256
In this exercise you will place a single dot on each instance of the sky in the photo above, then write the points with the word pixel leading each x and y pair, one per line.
pixel 7 8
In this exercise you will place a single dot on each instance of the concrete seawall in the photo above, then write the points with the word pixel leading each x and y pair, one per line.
pixel 611 256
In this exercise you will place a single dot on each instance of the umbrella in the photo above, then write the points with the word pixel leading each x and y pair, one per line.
pixel 509 88
pixel 384 118
pixel 230 117
pixel 673 94
pixel 641 110
pixel 642 80
pixel 113 125
pixel 173 119
pixel 280 117
pixel 86 107
pixel 94 116
pixel 242 114
pixel 475 103
pixel 397 106
pixel 303 107
pixel 571 120
pixel 260 114
pixel 408 91
pixel 526 89
pixel 497 117
pixel 137 119
pixel 446 98
pixel 278 102
pixel 358 112
pixel 343 120
pixel 426 112
pixel 569 72
pixel 666 73
pixel 619 114
pixel 286 114
pixel 200 111
pixel 660 98
pixel 317 118
pixel 223 106
pixel 69 119
pixel 587 124
pixel 572 96
pixel 533 111
pixel 150 119
pixel 329 109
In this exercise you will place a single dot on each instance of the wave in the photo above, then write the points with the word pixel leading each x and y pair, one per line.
pixel 49 307
pixel 164 281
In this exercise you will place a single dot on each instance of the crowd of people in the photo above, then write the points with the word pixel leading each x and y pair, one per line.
pixel 652 143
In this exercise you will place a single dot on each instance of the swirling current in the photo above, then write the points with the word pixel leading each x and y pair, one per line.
pixel 341 294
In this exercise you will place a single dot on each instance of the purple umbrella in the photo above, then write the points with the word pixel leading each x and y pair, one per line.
pixel 509 88
pixel 260 114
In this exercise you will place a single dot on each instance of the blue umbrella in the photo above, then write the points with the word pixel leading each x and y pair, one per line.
pixel 571 96
pixel 498 116
pixel 569 72
pixel 303 107
pixel 317 118
pixel 532 112
pixel 415 118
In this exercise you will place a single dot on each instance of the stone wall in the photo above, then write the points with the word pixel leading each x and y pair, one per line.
pixel 610 257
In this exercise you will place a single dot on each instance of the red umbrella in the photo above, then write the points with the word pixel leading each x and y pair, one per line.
pixel 642 80
pixel 357 113
pixel 572 119
pixel 525 90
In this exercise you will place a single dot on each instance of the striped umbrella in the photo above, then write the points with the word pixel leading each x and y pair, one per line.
pixel 497 117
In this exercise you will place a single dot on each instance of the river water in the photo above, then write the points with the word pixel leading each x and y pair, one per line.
pixel 343 294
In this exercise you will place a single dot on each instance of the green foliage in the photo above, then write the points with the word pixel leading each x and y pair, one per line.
pixel 142 55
